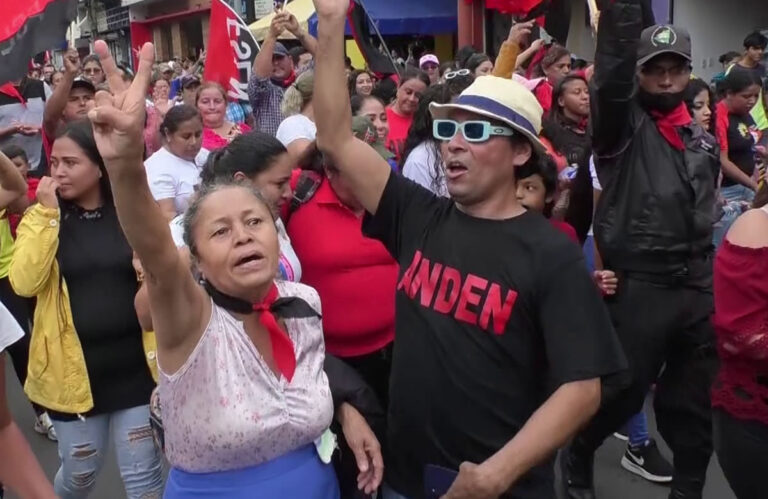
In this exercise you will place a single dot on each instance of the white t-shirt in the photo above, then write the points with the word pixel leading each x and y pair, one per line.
pixel 10 331
pixel 419 167
pixel 296 127
pixel 171 177
pixel 289 267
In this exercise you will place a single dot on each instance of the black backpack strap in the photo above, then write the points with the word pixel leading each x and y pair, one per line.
pixel 305 188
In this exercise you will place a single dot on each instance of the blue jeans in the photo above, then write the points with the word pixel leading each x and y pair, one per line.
pixel 84 443
pixel 734 195
pixel 637 429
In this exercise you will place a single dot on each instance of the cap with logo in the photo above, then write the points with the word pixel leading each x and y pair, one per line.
pixel 363 129
pixel 663 39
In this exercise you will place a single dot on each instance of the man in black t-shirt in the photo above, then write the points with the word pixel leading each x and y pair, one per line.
pixel 501 336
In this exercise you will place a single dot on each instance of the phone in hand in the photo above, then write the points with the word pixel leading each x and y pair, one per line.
pixel 437 480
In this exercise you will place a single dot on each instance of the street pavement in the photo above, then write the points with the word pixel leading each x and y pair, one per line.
pixel 612 481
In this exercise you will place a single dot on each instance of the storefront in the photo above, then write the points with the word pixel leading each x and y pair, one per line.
pixel 178 28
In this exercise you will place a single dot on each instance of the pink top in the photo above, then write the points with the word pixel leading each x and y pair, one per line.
pixel 225 409
pixel 212 140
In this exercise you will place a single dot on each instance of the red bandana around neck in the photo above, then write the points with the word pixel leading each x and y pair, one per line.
pixel 282 346
pixel 288 81
pixel 668 124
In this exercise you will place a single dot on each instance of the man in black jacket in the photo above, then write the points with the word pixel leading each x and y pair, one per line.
pixel 653 226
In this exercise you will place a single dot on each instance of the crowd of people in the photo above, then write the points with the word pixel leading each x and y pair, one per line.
pixel 414 285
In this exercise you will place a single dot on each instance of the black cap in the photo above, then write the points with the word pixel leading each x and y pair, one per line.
pixel 83 83
pixel 663 39
pixel 189 80
pixel 280 50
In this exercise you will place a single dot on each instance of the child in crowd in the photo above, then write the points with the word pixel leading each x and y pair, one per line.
pixel 537 191
pixel 19 158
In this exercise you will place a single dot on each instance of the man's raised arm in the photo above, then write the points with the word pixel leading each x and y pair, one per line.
pixel 364 169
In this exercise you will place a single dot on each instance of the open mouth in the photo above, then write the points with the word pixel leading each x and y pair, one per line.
pixel 454 169
pixel 250 260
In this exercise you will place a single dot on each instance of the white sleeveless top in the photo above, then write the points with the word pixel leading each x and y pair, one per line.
pixel 225 409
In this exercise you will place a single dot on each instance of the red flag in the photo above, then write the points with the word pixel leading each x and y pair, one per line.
pixel 232 49
pixel 29 27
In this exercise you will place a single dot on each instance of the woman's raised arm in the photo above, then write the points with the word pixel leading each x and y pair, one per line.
pixel 177 301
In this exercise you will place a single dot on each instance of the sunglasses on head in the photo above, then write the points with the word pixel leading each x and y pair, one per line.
pixel 453 74
pixel 473 131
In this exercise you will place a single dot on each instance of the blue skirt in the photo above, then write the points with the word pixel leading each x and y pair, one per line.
pixel 299 474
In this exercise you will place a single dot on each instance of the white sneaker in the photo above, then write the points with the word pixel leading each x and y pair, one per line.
pixel 44 426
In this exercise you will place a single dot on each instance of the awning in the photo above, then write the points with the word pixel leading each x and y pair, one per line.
pixel 302 9
pixel 407 17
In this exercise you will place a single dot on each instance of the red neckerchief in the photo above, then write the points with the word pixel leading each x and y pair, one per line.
pixel 668 124
pixel 282 346
pixel 288 81
pixel 10 90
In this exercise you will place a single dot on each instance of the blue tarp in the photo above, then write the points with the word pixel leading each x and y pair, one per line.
pixel 407 17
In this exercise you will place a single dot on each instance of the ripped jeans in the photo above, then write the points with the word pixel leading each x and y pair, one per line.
pixel 84 444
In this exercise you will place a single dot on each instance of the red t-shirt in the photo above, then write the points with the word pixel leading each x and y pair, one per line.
pixel 398 131
pixel 741 325
pixel 355 276
pixel 566 228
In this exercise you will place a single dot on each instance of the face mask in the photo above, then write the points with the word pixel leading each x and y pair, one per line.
pixel 663 102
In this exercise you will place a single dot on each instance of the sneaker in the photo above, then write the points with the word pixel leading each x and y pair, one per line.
pixel 621 436
pixel 44 426
pixel 648 463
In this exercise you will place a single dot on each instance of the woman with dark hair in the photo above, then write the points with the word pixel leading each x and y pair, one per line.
pixel 565 133
pixel 700 103
pixel 246 404
pixel 480 64
pixel 421 161
pixel 174 170
pixel 553 66
pixel 740 392
pixel 373 108
pixel 400 114
pixel 737 135
pixel 92 70
pixel 360 83
pixel 97 374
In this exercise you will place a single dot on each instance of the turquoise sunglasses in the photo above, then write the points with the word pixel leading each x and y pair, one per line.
pixel 473 131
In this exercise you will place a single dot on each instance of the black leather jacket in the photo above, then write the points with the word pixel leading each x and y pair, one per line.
pixel 655 214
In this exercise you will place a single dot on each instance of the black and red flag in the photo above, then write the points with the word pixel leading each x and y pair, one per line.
pixel 552 15
pixel 232 49
pixel 29 27
pixel 379 61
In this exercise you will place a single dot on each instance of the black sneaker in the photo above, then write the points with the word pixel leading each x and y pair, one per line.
pixel 648 463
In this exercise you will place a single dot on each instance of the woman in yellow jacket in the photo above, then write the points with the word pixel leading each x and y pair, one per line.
pixel 87 364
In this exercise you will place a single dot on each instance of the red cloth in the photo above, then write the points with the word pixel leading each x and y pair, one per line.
pixel 566 229
pixel 398 132
pixel 721 125
pixel 543 93
pixel 741 325
pixel 282 346
pixel 10 90
pixel 668 124
pixel 212 140
pixel 355 276
pixel 513 7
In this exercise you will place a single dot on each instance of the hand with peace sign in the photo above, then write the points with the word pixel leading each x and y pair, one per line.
pixel 118 118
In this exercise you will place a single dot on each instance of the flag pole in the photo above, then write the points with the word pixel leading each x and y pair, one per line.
pixel 378 34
